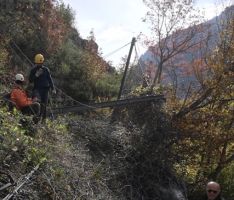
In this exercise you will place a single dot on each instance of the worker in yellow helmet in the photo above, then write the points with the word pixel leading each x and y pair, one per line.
pixel 42 82
pixel 39 59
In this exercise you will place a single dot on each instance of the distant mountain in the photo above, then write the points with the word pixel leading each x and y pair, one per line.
pixel 179 69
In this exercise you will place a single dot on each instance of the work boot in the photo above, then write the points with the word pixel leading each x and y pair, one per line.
pixel 23 122
pixel 36 119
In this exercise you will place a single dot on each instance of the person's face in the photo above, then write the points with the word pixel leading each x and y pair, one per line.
pixel 38 65
pixel 212 191
pixel 23 85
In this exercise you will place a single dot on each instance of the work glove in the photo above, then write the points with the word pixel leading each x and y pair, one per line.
pixel 35 99
pixel 53 91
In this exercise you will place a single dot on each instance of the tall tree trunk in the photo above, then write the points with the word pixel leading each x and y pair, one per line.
pixel 157 77
pixel 214 175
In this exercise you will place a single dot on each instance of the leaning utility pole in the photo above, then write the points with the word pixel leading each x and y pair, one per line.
pixel 116 111
pixel 126 67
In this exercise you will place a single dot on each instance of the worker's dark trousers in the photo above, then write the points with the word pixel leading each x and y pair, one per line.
pixel 42 94
pixel 33 109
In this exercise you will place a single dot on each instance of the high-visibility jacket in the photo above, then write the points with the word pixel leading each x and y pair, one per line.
pixel 20 98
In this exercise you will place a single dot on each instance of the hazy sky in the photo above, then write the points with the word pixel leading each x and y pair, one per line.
pixel 115 22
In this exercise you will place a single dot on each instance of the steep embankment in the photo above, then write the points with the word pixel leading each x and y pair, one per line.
pixel 73 161
pixel 89 158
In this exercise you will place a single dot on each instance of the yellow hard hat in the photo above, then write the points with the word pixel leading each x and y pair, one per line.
pixel 39 59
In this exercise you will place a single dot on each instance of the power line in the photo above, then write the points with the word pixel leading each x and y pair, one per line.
pixel 55 86
pixel 62 92
pixel 139 62
pixel 23 53
pixel 109 54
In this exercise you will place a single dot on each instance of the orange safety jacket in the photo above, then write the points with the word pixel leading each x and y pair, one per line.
pixel 19 97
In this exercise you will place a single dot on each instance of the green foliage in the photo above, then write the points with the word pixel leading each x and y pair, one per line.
pixel 80 73
pixel 35 26
pixel 226 178
pixel 73 71
pixel 47 27
pixel 16 140
pixel 197 148
pixel 3 59
pixel 205 122
pixel 66 13
pixel 107 86
pixel 140 90
pixel 35 156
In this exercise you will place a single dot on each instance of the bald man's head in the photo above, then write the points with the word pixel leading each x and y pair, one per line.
pixel 212 190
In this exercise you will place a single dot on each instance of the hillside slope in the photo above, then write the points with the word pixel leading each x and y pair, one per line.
pixel 87 158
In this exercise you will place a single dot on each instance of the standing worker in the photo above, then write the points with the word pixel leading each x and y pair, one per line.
pixel 42 83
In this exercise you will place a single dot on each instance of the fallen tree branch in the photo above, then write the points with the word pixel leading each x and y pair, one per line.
pixel 5 186
pixel 10 180
pixel 195 105
pixel 8 197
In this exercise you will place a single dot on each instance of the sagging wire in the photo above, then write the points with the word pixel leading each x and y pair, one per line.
pixel 140 64
pixel 111 53
pixel 58 89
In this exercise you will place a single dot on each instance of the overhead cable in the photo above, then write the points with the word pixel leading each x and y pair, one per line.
pixel 55 86
pixel 111 53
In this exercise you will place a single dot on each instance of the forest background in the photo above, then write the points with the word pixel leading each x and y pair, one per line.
pixel 191 135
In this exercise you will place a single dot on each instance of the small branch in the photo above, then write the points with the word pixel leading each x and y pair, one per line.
pixel 194 105
pixel 8 197
pixel 10 180
pixel 5 186
pixel 186 97
pixel 49 182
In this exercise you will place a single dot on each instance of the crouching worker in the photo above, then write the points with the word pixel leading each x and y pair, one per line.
pixel 21 101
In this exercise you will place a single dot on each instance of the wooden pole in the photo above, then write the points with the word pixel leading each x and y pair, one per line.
pixel 126 68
